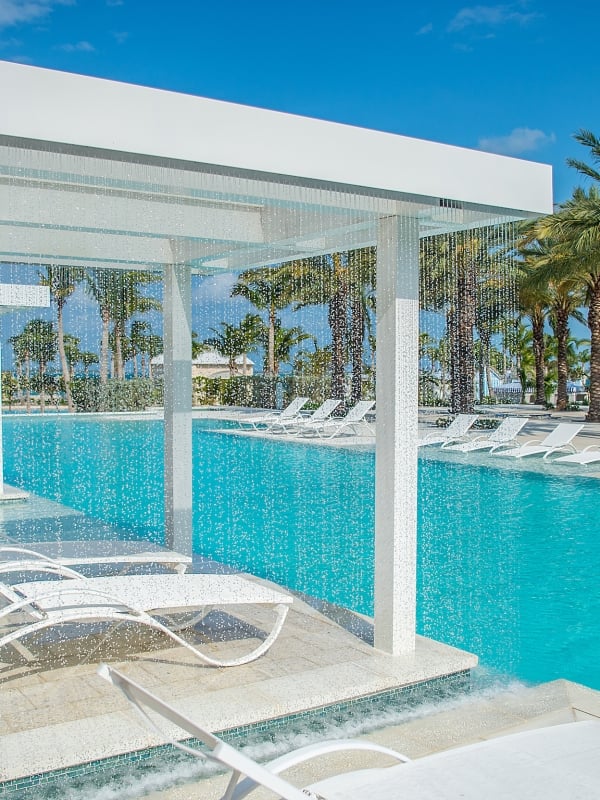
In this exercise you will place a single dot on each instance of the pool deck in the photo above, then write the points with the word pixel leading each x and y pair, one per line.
pixel 473 719
pixel 54 714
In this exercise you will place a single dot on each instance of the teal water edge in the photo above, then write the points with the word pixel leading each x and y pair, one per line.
pixel 507 559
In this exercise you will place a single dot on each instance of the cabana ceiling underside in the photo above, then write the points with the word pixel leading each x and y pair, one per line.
pixel 85 209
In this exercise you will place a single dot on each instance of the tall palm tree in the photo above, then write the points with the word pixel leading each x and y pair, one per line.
pixel 534 303
pixel 269 289
pixel 549 285
pixel 62 282
pixel 464 274
pixel 345 283
pixel 576 230
pixel 119 296
pixel 362 269
pixel 39 340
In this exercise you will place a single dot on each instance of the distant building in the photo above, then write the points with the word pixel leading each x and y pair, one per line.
pixel 207 365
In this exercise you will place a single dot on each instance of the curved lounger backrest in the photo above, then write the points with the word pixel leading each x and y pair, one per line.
pixel 218 751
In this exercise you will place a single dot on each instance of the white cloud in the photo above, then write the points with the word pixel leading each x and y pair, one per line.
pixel 14 12
pixel 121 36
pixel 425 29
pixel 78 47
pixel 519 140
pixel 490 16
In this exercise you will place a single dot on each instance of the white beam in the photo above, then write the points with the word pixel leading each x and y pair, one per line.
pixel 60 107
pixel 396 448
pixel 178 407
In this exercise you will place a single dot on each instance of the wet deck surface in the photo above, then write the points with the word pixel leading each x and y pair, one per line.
pixel 57 712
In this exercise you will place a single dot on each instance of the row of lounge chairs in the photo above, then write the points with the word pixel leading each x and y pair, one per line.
pixel 502 440
pixel 291 420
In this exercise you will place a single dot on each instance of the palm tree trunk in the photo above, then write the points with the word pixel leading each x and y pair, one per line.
pixel 337 322
pixel 63 357
pixel 593 414
pixel 539 347
pixel 119 374
pixel 105 313
pixel 42 395
pixel 271 341
pixel 562 336
pixel 27 383
pixel 462 360
pixel 357 330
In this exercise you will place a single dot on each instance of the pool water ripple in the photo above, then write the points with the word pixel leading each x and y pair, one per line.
pixel 507 559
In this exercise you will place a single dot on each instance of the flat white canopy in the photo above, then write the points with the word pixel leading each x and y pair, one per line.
pixel 98 173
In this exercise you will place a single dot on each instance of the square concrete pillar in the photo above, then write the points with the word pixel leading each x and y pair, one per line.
pixel 177 310
pixel 397 427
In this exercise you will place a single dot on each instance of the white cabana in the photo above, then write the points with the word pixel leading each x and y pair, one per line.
pixel 102 174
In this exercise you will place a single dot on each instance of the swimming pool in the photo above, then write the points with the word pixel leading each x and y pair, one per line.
pixel 507 561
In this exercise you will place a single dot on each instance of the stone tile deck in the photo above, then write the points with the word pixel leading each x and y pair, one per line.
pixel 58 713
pixel 472 719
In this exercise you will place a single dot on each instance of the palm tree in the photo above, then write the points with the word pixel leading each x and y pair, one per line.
pixel 269 289
pixel 72 352
pixel 21 347
pixel 39 341
pixel 286 339
pixel 576 230
pixel 119 297
pixel 88 359
pixel 543 272
pixel 534 303
pixel 233 341
pixel 345 283
pixel 362 268
pixel 467 275
pixel 62 282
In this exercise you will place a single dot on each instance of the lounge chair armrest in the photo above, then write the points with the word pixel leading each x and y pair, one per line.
pixel 303 754
pixel 560 447
pixel 39 565
pixel 456 439
pixel 500 445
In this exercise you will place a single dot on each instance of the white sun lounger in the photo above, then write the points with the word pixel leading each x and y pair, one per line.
pixel 503 436
pixel 141 599
pixel 290 412
pixel 455 432
pixel 95 551
pixel 588 455
pixel 552 763
pixel 334 426
pixel 557 440
pixel 297 426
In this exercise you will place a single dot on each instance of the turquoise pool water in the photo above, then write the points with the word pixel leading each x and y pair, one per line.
pixel 507 563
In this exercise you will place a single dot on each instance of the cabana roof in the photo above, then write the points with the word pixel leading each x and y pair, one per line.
pixel 98 173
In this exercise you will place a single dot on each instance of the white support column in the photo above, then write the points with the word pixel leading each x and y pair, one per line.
pixel 396 448
pixel 177 304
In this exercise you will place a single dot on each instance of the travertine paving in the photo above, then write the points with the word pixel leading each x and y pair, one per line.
pixel 56 713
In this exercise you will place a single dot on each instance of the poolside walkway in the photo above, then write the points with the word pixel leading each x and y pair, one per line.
pixel 57 714
pixel 465 721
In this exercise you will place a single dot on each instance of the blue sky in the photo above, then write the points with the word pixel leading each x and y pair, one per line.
pixel 517 77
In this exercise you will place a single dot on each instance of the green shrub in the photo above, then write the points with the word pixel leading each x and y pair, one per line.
pixel 116 395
